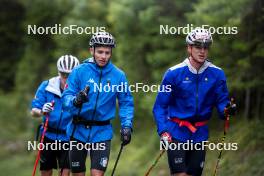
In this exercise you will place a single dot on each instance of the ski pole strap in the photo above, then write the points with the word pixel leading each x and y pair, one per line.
pixel 190 125
pixel 79 120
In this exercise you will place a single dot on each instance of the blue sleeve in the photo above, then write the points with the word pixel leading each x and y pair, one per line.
pixel 40 97
pixel 221 94
pixel 160 109
pixel 71 89
pixel 126 105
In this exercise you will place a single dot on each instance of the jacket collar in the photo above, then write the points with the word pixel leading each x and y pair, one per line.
pixel 54 86
pixel 107 68
pixel 193 70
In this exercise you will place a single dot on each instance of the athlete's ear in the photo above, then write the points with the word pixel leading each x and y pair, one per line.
pixel 91 51
pixel 189 49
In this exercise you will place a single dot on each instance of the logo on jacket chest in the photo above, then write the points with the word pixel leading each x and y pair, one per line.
pixel 186 80
pixel 90 81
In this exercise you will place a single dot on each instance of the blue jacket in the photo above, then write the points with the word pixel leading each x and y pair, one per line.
pixel 193 96
pixel 102 103
pixel 50 91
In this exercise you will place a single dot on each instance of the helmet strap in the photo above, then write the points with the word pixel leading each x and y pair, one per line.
pixel 94 54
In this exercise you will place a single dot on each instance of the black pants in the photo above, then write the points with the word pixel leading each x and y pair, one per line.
pixel 50 159
pixel 99 155
pixel 187 161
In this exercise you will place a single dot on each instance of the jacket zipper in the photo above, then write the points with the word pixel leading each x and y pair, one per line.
pixel 95 107
pixel 197 89
pixel 57 130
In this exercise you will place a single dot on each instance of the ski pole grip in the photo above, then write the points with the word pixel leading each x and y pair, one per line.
pixel 52 104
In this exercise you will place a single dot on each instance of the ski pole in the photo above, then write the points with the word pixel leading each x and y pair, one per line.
pixel 41 141
pixel 220 154
pixel 86 90
pixel 117 159
pixel 227 119
pixel 155 162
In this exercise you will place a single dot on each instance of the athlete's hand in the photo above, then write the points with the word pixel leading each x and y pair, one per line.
pixel 81 97
pixel 47 107
pixel 166 137
pixel 125 135
pixel 231 108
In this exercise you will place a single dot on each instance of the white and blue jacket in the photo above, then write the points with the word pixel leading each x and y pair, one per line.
pixel 102 103
pixel 193 96
pixel 50 91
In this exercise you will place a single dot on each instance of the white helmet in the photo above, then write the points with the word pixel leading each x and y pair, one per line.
pixel 102 38
pixel 66 63
pixel 199 36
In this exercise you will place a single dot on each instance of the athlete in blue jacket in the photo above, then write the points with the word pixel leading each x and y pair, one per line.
pixel 197 86
pixel 93 109
pixel 51 91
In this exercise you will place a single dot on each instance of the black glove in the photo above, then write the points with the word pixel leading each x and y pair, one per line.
pixel 125 135
pixel 231 109
pixel 81 98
